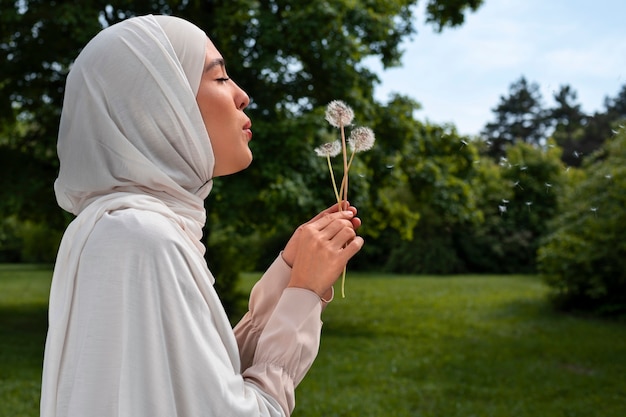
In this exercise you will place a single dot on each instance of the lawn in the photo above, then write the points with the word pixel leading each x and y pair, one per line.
pixel 399 346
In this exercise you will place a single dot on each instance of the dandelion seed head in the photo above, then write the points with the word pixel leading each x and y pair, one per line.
pixel 329 149
pixel 339 114
pixel 361 139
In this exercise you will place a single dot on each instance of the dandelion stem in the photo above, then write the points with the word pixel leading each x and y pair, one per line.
pixel 344 195
pixel 349 166
pixel 332 177
pixel 344 182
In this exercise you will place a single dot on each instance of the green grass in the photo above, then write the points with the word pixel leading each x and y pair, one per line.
pixel 23 323
pixel 462 346
pixel 399 346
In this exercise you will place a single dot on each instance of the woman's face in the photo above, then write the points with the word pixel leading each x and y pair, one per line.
pixel 221 103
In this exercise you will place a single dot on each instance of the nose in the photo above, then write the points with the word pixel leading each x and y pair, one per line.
pixel 242 100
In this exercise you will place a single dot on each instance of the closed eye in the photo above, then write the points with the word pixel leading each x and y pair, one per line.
pixel 222 79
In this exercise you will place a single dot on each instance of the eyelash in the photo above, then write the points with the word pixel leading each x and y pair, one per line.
pixel 222 80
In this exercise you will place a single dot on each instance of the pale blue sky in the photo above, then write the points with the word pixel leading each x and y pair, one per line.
pixel 459 75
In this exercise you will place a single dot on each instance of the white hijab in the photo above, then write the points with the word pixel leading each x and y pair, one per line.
pixel 130 123
pixel 131 136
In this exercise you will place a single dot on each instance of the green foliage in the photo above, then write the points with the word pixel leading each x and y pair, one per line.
pixel 27 241
pixel 420 193
pixel 293 57
pixel 583 259
pixel 517 197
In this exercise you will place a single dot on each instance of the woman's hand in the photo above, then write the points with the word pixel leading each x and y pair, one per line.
pixel 289 253
pixel 320 249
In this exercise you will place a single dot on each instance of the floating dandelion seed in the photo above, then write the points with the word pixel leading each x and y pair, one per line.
pixel 548 186
pixel 361 139
pixel 502 209
pixel 576 154
pixel 463 143
pixel 594 210
pixel 504 162
pixel 517 184
pixel 505 201
pixel 523 168
pixel 567 169
pixel 528 204
pixel 339 114
pixel 608 176
pixel 389 166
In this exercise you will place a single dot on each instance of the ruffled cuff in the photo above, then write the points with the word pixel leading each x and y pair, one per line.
pixel 287 346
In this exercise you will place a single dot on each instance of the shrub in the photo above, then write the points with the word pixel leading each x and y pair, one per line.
pixel 583 259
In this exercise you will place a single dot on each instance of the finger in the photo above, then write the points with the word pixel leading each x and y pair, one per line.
pixel 356 223
pixel 353 247
pixel 328 218
pixel 342 237
pixel 339 230
pixel 332 209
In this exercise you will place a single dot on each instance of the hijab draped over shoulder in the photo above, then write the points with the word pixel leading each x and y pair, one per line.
pixel 135 325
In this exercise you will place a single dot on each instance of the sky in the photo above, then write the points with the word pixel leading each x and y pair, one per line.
pixel 460 74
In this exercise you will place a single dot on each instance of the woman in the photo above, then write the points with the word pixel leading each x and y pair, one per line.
pixel 150 117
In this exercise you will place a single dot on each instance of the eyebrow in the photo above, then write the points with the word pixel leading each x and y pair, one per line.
pixel 214 63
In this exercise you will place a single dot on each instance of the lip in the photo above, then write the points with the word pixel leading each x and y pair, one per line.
pixel 247 128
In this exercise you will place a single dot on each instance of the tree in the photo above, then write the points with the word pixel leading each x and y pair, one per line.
pixel 518 196
pixel 583 258
pixel 419 193
pixel 520 117
pixel 568 121
pixel 293 57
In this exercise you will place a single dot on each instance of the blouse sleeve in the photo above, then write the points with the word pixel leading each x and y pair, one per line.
pixel 287 346
pixel 279 336
pixel 263 299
